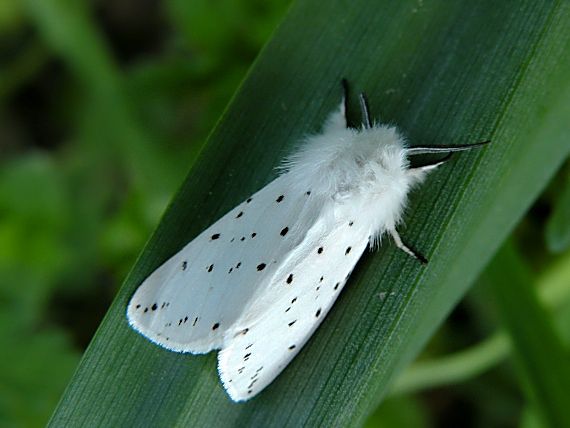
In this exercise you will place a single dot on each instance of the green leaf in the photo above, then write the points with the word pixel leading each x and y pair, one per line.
pixel 445 72
pixel 67 26
pixel 558 226
pixel 398 412
pixel 538 350
pixel 33 254
pixel 29 390
pixel 554 292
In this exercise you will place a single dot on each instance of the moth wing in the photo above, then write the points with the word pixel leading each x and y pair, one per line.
pixel 284 316
pixel 189 302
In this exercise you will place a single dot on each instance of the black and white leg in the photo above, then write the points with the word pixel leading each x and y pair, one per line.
pixel 431 166
pixel 402 246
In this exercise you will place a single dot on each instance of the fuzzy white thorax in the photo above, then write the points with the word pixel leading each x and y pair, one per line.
pixel 364 173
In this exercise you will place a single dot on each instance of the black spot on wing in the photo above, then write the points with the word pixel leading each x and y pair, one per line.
pixel 215 236
pixel 284 231
pixel 290 278
pixel 216 326
pixel 280 198
pixel 261 266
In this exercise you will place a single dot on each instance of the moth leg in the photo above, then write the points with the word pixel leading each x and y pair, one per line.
pixel 400 244
pixel 365 107
pixel 431 166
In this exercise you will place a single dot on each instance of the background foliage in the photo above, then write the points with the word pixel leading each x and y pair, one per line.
pixel 96 133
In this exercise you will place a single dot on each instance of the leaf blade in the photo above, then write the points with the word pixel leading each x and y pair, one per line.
pixel 538 350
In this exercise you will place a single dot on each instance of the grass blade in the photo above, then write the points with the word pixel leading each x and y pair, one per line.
pixel 558 226
pixel 538 350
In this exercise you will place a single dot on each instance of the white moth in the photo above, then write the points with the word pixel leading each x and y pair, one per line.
pixel 258 282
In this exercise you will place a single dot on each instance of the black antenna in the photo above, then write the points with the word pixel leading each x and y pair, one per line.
pixel 345 100
pixel 365 110
pixel 443 149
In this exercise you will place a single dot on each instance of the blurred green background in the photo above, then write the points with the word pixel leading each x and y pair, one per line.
pixel 94 143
